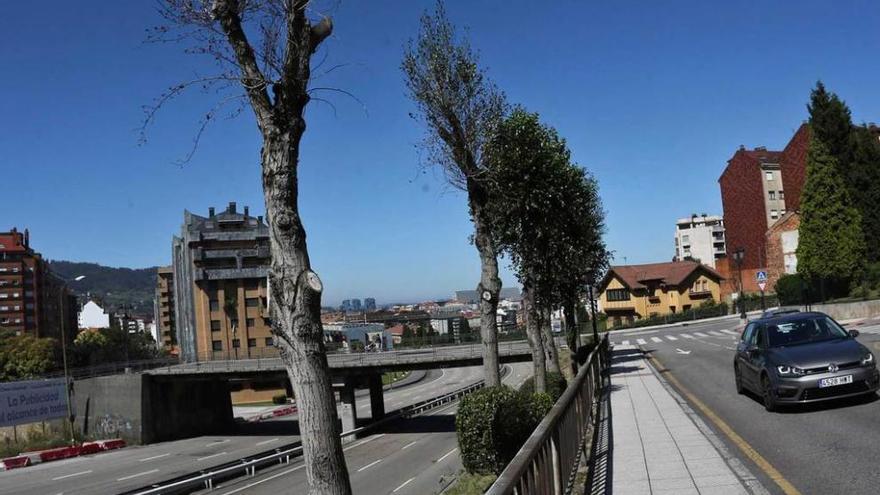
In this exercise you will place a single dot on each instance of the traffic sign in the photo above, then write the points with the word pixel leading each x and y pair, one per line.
pixel 761 276
pixel 761 285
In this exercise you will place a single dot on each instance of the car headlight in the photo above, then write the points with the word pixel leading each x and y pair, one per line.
pixel 868 360
pixel 789 371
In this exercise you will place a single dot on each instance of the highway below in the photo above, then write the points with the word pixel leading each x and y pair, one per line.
pixel 416 456
pixel 133 467
pixel 825 448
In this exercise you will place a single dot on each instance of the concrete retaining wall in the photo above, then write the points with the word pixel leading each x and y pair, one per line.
pixel 850 310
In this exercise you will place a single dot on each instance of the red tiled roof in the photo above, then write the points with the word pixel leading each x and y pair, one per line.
pixel 671 273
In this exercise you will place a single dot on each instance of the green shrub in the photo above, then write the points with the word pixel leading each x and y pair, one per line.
pixel 492 424
pixel 555 385
pixel 279 399
pixel 790 289
pixel 540 405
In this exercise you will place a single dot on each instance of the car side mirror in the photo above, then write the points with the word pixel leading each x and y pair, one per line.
pixel 753 350
pixel 853 333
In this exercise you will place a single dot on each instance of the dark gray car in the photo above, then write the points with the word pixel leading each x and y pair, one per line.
pixel 801 358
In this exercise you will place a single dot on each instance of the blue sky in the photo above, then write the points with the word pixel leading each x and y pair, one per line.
pixel 653 97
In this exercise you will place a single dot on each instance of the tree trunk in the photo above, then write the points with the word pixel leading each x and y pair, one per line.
pixel 550 350
pixel 571 331
pixel 533 332
pixel 489 286
pixel 296 317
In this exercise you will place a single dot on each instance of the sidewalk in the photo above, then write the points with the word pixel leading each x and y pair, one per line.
pixel 659 448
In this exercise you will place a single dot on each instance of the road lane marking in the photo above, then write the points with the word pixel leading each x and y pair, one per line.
pixel 402 485
pixel 264 442
pixel 731 332
pixel 686 335
pixel 733 436
pixel 211 456
pixel 698 334
pixel 641 341
pixel 217 443
pixel 136 475
pixel 715 334
pixel 377 461
pixel 72 475
pixel 447 454
pixel 155 457
pixel 625 342
pixel 409 445
pixel 255 483
pixel 670 337
pixel 364 441
pixel 681 351
pixel 656 339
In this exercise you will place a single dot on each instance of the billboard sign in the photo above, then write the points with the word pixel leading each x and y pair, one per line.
pixel 32 401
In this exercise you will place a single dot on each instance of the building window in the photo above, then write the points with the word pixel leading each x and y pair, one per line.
pixel 781 212
pixel 236 343
pixel 217 345
pixel 252 302
pixel 269 342
pixel 249 322
pixel 781 195
pixel 685 239
pixel 768 175
pixel 774 214
pixel 252 342
pixel 252 284
pixel 772 195
pixel 214 305
pixel 617 295
pixel 215 325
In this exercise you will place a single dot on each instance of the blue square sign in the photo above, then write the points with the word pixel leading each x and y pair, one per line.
pixel 761 276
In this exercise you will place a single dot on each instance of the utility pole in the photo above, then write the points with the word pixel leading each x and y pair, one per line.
pixel 738 258
pixel 67 383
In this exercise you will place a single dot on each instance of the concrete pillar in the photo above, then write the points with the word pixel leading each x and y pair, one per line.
pixel 377 398
pixel 348 409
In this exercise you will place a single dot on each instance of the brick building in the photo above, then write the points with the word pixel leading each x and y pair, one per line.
pixel 758 188
pixel 33 300
pixel 782 242
pixel 163 309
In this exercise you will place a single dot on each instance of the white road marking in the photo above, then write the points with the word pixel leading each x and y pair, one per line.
pixel 716 334
pixel 625 342
pixel 72 475
pixel 155 457
pixel 255 483
pixel 136 475
pixel 377 461
pixel 698 334
pixel 656 339
pixel 670 337
pixel 402 485
pixel 686 335
pixel 731 332
pixel 364 441
pixel 217 443
pixel 211 456
pixel 409 445
pixel 447 454
pixel 641 341
pixel 264 442
pixel 681 351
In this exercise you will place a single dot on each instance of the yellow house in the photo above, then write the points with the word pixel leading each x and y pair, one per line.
pixel 632 292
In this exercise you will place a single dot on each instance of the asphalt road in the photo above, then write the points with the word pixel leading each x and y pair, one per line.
pixel 133 467
pixel 416 456
pixel 825 448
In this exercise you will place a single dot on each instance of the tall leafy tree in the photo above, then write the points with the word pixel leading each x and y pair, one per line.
pixel 264 51
pixel 831 245
pixel 461 108
pixel 24 356
pixel 831 123
pixel 864 180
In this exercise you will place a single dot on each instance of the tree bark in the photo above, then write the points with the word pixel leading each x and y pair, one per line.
pixel 550 350
pixel 533 332
pixel 490 283
pixel 572 331
pixel 296 319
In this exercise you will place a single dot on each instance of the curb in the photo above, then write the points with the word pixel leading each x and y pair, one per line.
pixel 40 456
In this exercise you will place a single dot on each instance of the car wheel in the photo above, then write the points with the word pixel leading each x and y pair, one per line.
pixel 767 394
pixel 738 379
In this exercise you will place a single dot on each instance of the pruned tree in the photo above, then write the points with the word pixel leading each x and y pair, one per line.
pixel 460 108
pixel 264 49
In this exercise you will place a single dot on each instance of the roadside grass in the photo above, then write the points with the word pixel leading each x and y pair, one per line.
pixel 471 484
pixel 393 377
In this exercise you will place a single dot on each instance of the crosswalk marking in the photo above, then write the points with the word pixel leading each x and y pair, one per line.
pixel 716 334
pixel 625 342
pixel 686 335
pixel 698 334
pixel 670 337
pixel 656 339
pixel 641 341
pixel 731 332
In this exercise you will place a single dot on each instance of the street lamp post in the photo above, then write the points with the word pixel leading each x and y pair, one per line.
pixel 67 384
pixel 738 256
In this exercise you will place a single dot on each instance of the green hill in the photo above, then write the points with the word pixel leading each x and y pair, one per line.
pixel 114 286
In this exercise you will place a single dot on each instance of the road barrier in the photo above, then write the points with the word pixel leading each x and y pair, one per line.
pixel 282 455
pixel 547 463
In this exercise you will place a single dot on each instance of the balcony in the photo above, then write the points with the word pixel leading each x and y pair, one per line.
pixel 231 273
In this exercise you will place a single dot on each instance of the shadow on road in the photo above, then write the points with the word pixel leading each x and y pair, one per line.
pixel 268 428
pixel 444 423
pixel 829 405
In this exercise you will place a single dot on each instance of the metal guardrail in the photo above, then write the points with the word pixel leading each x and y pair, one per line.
pixel 281 455
pixel 547 463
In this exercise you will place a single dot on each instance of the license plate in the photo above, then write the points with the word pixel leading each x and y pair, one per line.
pixel 837 380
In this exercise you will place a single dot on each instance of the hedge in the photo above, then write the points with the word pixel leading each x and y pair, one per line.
pixel 555 385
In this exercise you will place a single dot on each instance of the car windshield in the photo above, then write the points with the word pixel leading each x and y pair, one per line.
pixel 804 331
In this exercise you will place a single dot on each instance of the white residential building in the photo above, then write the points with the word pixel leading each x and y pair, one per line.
pixel 93 316
pixel 700 237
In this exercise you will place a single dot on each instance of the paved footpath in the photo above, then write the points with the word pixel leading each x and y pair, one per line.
pixel 658 444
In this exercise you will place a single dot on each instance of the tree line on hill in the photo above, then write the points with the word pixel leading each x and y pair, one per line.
pixel 132 288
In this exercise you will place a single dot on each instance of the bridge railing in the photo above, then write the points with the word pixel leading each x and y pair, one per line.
pixel 547 463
